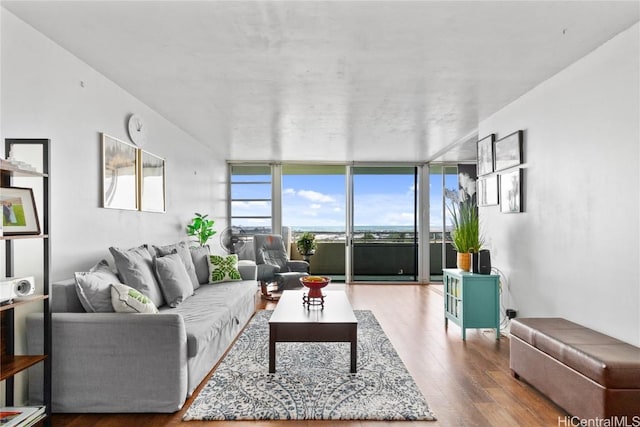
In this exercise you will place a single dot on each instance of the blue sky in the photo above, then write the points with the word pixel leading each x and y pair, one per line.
pixel 319 200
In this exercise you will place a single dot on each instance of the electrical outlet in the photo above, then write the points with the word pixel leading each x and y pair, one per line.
pixel 511 313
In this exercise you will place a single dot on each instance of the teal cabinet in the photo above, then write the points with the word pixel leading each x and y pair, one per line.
pixel 472 300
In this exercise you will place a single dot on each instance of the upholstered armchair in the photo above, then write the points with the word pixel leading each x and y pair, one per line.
pixel 274 265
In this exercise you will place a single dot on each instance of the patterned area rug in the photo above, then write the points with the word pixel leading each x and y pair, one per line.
pixel 312 380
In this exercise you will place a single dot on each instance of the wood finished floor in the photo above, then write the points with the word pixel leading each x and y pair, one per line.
pixel 465 383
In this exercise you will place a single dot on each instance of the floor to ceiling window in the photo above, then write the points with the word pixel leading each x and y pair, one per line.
pixel 313 200
pixel 250 211
pixel 384 244
pixel 441 251
pixel 364 217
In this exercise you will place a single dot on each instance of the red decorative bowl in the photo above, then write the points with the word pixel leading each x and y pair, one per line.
pixel 315 283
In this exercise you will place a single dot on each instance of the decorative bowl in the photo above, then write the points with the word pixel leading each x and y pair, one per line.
pixel 315 284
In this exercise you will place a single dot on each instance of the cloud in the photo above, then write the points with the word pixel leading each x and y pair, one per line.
pixel 289 191
pixel 315 196
pixel 240 205
pixel 400 218
pixel 315 206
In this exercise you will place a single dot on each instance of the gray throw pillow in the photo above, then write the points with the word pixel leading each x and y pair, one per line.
pixel 200 257
pixel 185 255
pixel 173 278
pixel 93 288
pixel 135 267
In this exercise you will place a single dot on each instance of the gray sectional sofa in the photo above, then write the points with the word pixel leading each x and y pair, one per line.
pixel 135 362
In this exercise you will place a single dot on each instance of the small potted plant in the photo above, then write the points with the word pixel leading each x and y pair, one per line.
pixel 306 245
pixel 201 228
pixel 465 234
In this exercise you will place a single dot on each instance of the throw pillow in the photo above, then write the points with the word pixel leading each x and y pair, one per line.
pixel 125 299
pixel 224 268
pixel 93 287
pixel 200 257
pixel 185 255
pixel 135 267
pixel 173 278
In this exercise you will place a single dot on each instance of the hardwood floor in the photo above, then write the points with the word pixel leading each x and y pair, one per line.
pixel 465 383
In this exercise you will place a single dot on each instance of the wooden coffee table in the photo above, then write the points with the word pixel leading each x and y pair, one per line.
pixel 291 321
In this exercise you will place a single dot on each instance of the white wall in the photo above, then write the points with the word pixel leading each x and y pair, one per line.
pixel 48 93
pixel 574 252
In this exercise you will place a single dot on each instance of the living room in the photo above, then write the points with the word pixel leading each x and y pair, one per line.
pixel 564 255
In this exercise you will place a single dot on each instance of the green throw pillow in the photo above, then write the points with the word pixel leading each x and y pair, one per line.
pixel 125 299
pixel 224 268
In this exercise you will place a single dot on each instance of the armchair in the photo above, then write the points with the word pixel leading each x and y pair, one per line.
pixel 274 264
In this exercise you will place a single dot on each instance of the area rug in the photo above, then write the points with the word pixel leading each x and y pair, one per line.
pixel 312 380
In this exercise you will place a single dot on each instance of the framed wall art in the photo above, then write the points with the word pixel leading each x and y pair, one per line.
pixel 488 190
pixel 467 175
pixel 19 213
pixel 511 191
pixel 485 155
pixel 508 151
pixel 119 174
pixel 152 182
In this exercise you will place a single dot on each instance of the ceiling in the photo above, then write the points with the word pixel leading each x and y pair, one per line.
pixel 329 80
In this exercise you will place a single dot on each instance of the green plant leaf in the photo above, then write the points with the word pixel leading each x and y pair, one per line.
pixel 465 235
pixel 306 243
pixel 201 228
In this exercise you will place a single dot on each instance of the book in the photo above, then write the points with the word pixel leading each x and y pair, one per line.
pixel 23 416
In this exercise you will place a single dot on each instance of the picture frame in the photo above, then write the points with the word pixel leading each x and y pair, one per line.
pixel 19 212
pixel 488 194
pixel 485 154
pixel 119 174
pixel 152 182
pixel 508 151
pixel 511 191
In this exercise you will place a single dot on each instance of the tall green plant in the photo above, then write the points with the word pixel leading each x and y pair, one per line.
pixel 466 226
pixel 201 228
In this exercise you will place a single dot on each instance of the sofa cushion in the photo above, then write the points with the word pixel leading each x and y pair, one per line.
pixel 173 278
pixel 210 309
pixel 135 267
pixel 224 268
pixel 64 297
pixel 248 269
pixel 125 299
pixel 200 258
pixel 182 249
pixel 94 288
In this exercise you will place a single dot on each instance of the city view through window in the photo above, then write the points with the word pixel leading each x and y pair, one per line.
pixel 314 200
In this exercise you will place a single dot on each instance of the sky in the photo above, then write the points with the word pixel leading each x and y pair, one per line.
pixel 319 200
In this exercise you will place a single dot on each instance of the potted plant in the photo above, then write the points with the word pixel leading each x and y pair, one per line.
pixel 306 245
pixel 201 228
pixel 465 234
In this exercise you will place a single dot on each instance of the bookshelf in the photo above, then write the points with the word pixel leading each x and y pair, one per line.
pixel 11 363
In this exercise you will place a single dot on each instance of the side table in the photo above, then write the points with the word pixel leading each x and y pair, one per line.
pixel 472 300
